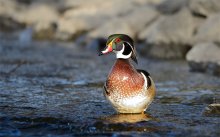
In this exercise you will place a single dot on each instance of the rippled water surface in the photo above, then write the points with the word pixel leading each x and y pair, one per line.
pixel 54 89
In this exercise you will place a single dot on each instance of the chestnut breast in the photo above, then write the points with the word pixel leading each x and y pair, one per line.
pixel 124 79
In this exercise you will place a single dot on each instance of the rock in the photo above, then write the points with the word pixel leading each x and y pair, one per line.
pixel 109 8
pixel 169 37
pixel 171 6
pixel 42 18
pixel 104 10
pixel 10 8
pixel 8 24
pixel 204 7
pixel 205 57
pixel 140 18
pixel 90 16
pixel 129 24
pixel 114 26
pixel 69 29
pixel 212 109
pixel 209 30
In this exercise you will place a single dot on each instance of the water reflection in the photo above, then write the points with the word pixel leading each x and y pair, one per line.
pixel 128 118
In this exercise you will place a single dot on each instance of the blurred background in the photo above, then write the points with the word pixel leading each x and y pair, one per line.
pixel 48 49
pixel 165 29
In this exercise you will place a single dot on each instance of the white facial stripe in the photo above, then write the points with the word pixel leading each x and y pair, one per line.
pixel 120 55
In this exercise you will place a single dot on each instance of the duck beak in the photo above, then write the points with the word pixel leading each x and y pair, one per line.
pixel 107 50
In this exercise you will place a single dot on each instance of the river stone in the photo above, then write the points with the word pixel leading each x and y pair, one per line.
pixel 88 16
pixel 9 11
pixel 205 57
pixel 68 29
pixel 129 24
pixel 140 18
pixel 169 37
pixel 10 8
pixel 114 26
pixel 38 13
pixel 9 24
pixel 209 30
pixel 171 6
pixel 204 7
pixel 99 8
pixel 112 5
pixel 42 18
pixel 212 110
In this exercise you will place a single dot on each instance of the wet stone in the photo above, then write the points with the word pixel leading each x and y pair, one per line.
pixel 212 110
pixel 55 89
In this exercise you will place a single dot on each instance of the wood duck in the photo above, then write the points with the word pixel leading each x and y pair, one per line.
pixel 129 90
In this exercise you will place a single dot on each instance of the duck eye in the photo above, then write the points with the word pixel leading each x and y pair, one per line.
pixel 117 40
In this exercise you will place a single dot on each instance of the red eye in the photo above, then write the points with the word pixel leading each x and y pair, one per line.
pixel 117 40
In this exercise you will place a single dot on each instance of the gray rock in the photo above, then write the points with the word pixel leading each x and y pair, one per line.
pixel 171 6
pixel 69 28
pixel 209 30
pixel 204 7
pixel 8 24
pixel 212 110
pixel 129 24
pixel 205 57
pixel 88 16
pixel 169 36
pixel 140 18
pixel 10 8
pixel 114 26
pixel 98 8
pixel 41 17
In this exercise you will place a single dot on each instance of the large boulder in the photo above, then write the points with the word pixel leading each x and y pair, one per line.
pixel 8 24
pixel 38 13
pixel 204 7
pixel 170 36
pixel 98 9
pixel 42 18
pixel 8 11
pixel 205 57
pixel 10 8
pixel 85 16
pixel 171 6
pixel 130 24
pixel 39 16
pixel 114 26
pixel 209 30
pixel 68 29
pixel 140 18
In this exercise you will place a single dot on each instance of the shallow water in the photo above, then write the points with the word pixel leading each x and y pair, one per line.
pixel 55 89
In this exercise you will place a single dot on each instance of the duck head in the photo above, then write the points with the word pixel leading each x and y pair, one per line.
pixel 122 45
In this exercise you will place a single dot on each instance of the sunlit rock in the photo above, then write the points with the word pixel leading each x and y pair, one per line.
pixel 205 57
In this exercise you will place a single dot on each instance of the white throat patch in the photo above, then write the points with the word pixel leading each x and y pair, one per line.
pixel 122 56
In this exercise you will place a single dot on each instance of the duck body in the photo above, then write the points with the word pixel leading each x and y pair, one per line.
pixel 128 89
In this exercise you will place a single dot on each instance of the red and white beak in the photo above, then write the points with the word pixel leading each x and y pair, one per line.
pixel 107 50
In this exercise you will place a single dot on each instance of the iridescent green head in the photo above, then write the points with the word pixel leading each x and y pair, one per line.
pixel 122 45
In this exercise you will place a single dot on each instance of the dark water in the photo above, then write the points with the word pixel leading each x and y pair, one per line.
pixel 55 89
